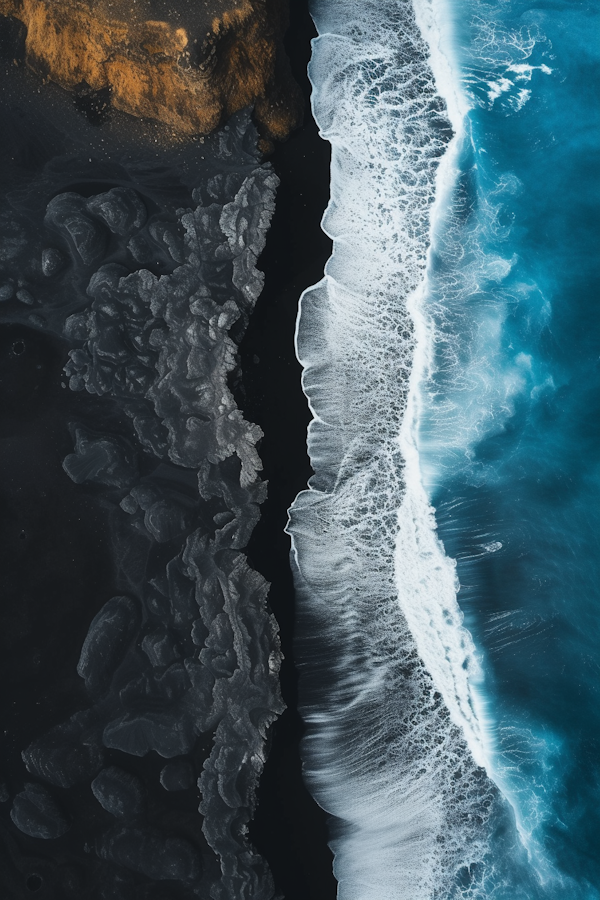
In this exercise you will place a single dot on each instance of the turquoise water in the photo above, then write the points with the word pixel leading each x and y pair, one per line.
pixel 510 433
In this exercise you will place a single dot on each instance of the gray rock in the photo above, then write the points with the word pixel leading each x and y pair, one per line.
pixel 151 854
pixel 152 434
pixel 164 518
pixel 120 208
pixel 164 349
pixel 52 261
pixel 164 233
pixel 177 775
pixel 102 460
pixel 181 595
pixel 36 813
pixel 61 758
pixel 141 249
pixel 109 634
pixel 161 648
pixel 169 734
pixel 13 238
pixel 67 213
pixel 119 793
pixel 25 297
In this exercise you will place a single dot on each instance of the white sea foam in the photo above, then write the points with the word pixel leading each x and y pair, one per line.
pixel 426 577
pixel 483 388
pixel 398 733
pixel 395 738
pixel 499 65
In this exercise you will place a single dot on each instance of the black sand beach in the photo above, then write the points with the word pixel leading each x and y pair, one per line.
pixel 289 828
pixel 64 550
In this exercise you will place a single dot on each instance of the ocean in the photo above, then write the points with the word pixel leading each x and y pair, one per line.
pixel 510 434
pixel 446 553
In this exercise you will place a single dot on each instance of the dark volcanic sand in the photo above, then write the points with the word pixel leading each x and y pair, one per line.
pixel 289 828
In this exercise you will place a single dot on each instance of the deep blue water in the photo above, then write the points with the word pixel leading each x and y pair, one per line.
pixel 510 439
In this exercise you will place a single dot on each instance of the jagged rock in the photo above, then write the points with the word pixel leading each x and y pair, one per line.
pixel 169 734
pixel 181 591
pixel 156 689
pixel 67 214
pixel 100 459
pixel 152 435
pixel 164 518
pixel 161 648
pixel 120 208
pixel 165 233
pixel 195 656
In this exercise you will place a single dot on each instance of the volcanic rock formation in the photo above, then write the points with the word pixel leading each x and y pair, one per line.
pixel 189 65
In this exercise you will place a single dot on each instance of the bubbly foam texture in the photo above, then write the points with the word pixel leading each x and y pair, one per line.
pixel 394 741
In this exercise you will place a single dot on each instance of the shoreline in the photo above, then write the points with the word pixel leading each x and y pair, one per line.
pixel 289 828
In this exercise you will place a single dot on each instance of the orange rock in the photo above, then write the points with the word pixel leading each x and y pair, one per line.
pixel 190 70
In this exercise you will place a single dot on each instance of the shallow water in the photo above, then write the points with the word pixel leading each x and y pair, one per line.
pixel 445 553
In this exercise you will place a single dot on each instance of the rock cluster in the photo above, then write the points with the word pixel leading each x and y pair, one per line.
pixel 190 653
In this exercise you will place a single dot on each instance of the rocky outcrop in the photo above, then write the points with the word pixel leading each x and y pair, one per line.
pixel 187 65
pixel 179 667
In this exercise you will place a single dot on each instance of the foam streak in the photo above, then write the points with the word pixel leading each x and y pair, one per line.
pixel 393 742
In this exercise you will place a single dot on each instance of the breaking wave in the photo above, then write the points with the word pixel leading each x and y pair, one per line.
pixel 387 697
pixel 401 745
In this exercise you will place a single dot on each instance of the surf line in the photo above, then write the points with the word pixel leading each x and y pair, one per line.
pixel 425 576
pixel 381 752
